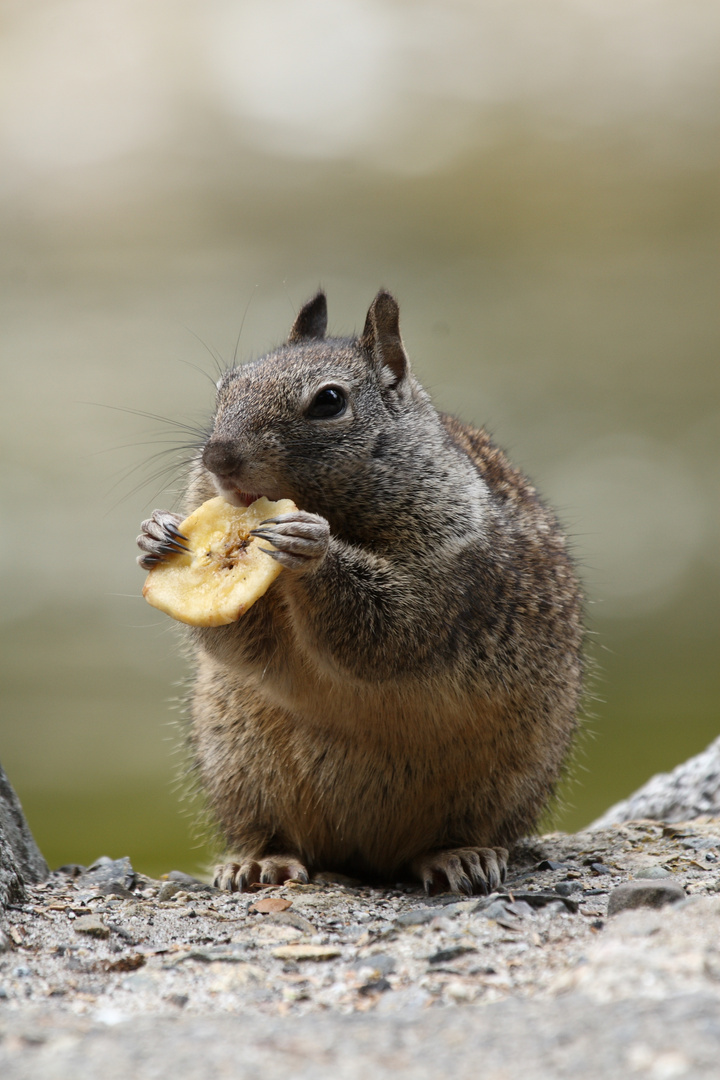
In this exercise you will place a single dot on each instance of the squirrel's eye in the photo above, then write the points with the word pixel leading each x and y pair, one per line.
pixel 326 403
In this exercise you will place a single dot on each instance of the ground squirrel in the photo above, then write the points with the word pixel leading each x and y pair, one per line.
pixel 402 699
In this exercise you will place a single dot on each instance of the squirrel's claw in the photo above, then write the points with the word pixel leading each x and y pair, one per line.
pixel 272 870
pixel 462 870
pixel 300 539
pixel 159 538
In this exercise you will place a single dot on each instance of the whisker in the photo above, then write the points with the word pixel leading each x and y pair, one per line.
pixel 215 356
pixel 242 325
pixel 190 429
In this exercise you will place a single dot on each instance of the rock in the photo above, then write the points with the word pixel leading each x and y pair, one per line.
pixel 20 858
pixel 306 952
pixel 418 917
pixel 691 790
pixel 445 956
pixel 269 905
pixel 168 889
pixel 567 888
pixel 187 879
pixel 92 925
pixel 290 918
pixel 377 986
pixel 379 964
pixel 636 894
pixel 106 871
pixel 653 873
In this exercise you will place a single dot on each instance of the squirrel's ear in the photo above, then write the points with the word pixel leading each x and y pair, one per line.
pixel 311 321
pixel 381 336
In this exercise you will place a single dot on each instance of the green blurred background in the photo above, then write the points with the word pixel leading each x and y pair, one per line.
pixel 537 183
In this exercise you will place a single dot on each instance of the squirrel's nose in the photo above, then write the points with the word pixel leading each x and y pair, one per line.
pixel 221 458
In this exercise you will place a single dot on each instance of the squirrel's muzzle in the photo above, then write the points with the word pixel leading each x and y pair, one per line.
pixel 221 458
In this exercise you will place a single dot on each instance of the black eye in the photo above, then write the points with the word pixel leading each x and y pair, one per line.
pixel 326 403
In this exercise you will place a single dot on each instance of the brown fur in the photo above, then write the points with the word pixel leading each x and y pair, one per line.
pixel 415 690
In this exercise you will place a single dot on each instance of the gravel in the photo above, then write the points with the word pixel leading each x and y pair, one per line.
pixel 336 978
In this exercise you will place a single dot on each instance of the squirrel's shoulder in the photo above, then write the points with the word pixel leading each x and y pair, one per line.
pixel 504 481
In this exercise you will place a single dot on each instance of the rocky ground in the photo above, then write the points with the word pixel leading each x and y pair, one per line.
pixel 600 956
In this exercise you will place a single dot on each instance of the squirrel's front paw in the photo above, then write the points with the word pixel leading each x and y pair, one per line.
pixel 159 538
pixel 300 539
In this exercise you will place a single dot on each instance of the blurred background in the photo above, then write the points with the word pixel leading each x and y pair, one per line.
pixel 537 183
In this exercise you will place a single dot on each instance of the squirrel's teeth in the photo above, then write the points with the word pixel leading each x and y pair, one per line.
pixel 245 497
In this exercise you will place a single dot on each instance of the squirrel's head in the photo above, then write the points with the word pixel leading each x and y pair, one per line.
pixel 318 417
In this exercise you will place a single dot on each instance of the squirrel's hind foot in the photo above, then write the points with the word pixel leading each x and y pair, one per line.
pixel 272 870
pixel 462 870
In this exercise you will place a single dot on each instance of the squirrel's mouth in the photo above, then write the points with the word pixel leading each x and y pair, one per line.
pixel 240 498
pixel 235 495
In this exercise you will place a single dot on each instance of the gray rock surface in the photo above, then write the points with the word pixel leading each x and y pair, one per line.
pixel 576 1039
pixel 337 979
pixel 691 790
pixel 639 894
pixel 20 858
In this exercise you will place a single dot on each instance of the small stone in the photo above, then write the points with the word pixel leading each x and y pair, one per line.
pixel 168 889
pixel 542 899
pixel 446 955
pixel 90 924
pixel 418 917
pixel 306 952
pixel 600 868
pixel 497 910
pixel 106 870
pixel 270 904
pixel 127 963
pixel 185 879
pixel 653 873
pixel 377 986
pixel 290 918
pixel 461 907
pixel 566 888
pixel 520 908
pixel 116 888
pixel 549 864
pixel 637 894
pixel 379 963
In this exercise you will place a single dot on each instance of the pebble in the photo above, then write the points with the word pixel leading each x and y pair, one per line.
pixel 306 952
pixel 168 889
pixel 92 925
pixel 270 904
pixel 418 917
pixel 106 871
pixel 653 873
pixel 362 949
pixel 378 964
pixel 566 888
pixel 290 918
pixel 635 894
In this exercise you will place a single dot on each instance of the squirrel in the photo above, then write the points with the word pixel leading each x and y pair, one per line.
pixel 402 700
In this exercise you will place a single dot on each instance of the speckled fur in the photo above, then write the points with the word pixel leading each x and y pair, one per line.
pixel 418 689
